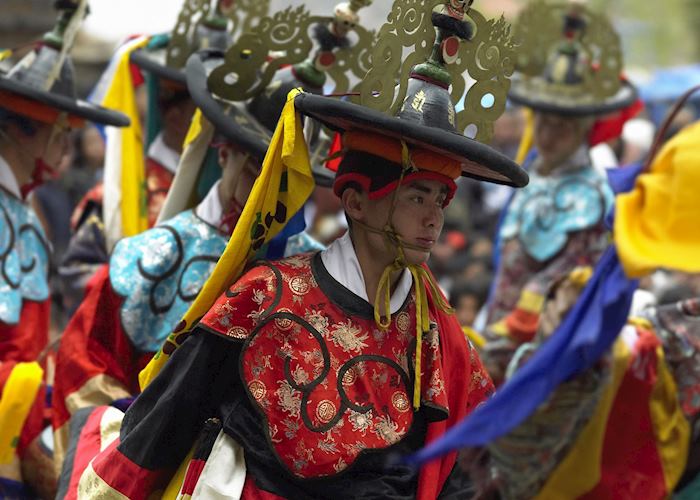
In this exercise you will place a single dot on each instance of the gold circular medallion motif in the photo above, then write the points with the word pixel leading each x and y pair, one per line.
pixel 284 324
pixel 325 411
pixel 349 377
pixel 403 321
pixel 300 285
pixel 257 390
pixel 400 401
pixel 237 332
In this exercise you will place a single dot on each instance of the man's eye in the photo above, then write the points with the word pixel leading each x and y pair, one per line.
pixel 417 199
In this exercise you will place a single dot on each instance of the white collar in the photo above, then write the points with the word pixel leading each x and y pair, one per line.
pixel 210 209
pixel 8 180
pixel 163 154
pixel 340 260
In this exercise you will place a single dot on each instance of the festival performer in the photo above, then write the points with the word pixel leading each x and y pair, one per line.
pixel 557 222
pixel 38 109
pixel 146 80
pixel 304 385
pixel 137 300
pixel 627 426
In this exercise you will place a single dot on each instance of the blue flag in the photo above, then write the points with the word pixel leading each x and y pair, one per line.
pixel 586 333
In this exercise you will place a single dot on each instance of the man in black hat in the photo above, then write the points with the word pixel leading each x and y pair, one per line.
pixel 314 370
pixel 165 111
pixel 558 222
pixel 38 107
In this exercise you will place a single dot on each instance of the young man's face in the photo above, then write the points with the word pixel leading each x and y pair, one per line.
pixel 418 217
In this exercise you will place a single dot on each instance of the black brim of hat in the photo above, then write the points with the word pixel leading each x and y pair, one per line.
pixel 478 161
pixel 152 62
pixel 236 124
pixel 75 107
pixel 548 102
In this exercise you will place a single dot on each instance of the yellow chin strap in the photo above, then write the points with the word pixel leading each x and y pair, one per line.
pixel 421 280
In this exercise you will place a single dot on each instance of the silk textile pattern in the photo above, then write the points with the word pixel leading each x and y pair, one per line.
pixel 160 272
pixel 328 384
pixel 24 258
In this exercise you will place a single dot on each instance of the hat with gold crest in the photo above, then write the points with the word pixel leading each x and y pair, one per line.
pixel 569 61
pixel 422 120
pixel 241 92
pixel 201 24
pixel 41 86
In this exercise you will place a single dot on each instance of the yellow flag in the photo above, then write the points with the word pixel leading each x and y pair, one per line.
pixel 656 223
pixel 283 186
pixel 129 156
pixel 18 396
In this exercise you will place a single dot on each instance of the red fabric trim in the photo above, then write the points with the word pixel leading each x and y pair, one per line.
pixel 366 182
pixel 610 128
pixel 36 110
pixel 194 471
pixel 343 180
pixel 391 149
pixel 137 78
pixel 89 445
pixel 467 385
pixel 94 343
pixel 252 492
pixel 27 339
pixel 630 465
pixel 336 147
pixel 125 476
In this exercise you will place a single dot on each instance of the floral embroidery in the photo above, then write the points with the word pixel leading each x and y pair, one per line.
pixel 348 337
pixel 336 385
pixel 289 399
pixel 387 430
pixel 360 421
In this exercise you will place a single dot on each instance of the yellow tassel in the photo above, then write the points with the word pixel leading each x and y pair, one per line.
pixel 528 137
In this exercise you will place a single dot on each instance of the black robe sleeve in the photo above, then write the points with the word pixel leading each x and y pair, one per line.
pixel 163 423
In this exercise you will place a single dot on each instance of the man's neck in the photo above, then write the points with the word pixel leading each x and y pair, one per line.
pixel 373 265
pixel 13 158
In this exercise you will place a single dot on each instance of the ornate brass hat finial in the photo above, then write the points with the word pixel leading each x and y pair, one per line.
pixel 449 42
pixel 569 60
pixel 67 12
pixel 292 35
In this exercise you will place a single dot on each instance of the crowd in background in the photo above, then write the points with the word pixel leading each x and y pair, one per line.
pixel 462 260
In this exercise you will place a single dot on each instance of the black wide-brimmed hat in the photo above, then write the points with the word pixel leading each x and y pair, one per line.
pixel 425 122
pixel 246 125
pixel 166 55
pixel 570 61
pixel 41 86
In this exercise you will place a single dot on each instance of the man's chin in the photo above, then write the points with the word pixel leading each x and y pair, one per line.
pixel 417 257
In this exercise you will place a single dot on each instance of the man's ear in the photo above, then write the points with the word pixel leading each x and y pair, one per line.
pixel 224 153
pixel 354 203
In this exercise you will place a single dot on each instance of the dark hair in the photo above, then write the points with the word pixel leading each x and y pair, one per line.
pixel 477 287
pixel 26 125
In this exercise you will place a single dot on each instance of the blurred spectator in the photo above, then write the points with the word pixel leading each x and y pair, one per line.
pixel 467 297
